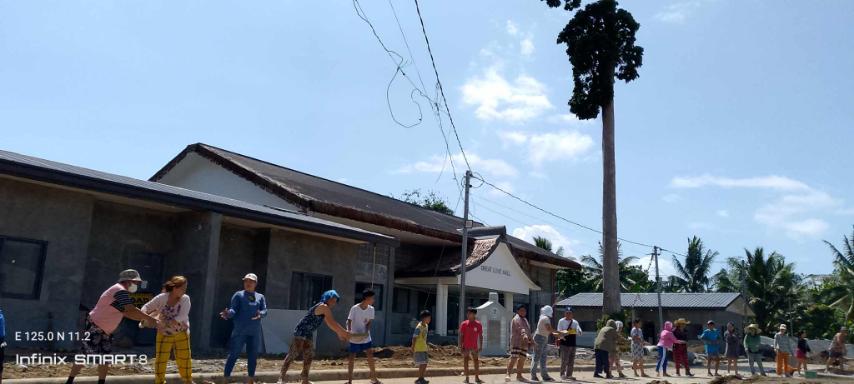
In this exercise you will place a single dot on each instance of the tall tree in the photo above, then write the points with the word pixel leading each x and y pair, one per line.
pixel 771 287
pixel 543 243
pixel 843 296
pixel 693 274
pixel 595 270
pixel 600 44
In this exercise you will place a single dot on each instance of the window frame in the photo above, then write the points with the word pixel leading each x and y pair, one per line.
pixel 37 284
pixel 291 302
pixel 378 297
pixel 408 295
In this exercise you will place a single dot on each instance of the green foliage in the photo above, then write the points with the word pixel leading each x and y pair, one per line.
pixel 843 296
pixel 543 243
pixel 633 278
pixel 819 321
pixel 694 272
pixel 600 44
pixel 430 200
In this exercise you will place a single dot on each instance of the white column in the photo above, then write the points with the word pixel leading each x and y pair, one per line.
pixel 441 309
pixel 508 301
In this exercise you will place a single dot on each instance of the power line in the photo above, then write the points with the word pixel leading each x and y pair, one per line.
pixel 439 84
pixel 559 217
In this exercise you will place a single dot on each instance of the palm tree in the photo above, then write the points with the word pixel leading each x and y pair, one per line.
pixel 772 287
pixel 693 275
pixel 543 243
pixel 843 295
pixel 600 44
pixel 594 269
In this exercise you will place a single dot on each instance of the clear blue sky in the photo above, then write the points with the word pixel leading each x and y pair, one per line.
pixel 738 130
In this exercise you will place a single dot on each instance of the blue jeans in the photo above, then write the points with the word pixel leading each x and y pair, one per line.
pixel 539 357
pixel 235 345
pixel 662 360
pixel 602 362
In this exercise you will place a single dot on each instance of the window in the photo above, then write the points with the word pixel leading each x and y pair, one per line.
pixel 400 300
pixel 378 294
pixel 306 289
pixel 21 267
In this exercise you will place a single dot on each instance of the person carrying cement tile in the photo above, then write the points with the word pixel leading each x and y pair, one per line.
pixel 246 310
pixel 783 348
pixel 172 309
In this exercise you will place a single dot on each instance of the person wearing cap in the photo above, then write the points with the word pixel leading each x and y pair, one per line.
pixel 246 310
pixel 520 342
pixel 301 344
pixel 172 308
pixel 783 348
pixel 752 342
pixel 711 339
pixel 541 341
pixel 113 305
pixel 569 330
pixel 680 348
pixel 837 350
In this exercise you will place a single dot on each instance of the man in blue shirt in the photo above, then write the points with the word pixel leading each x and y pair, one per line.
pixel 246 310
pixel 711 337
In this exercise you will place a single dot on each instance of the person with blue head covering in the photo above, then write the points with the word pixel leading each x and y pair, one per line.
pixel 304 334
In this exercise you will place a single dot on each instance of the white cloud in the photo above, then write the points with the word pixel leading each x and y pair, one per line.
pixel 678 12
pixel 665 266
pixel 550 146
pixel 792 212
pixel 438 163
pixel 558 240
pixel 496 98
pixel 512 29
pixel 722 213
pixel 768 182
pixel 570 118
pixel 526 47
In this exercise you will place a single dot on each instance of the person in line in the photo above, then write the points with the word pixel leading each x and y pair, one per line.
pixel 783 348
pixel 520 342
pixel 359 325
pixel 541 341
pixel 419 345
pixel 614 358
pixel 837 350
pixel 301 343
pixel 802 352
pixel 732 341
pixel 471 343
pixel 172 308
pixel 752 343
pixel 569 330
pixel 246 310
pixel 665 341
pixel 605 344
pixel 113 305
pixel 637 348
pixel 711 339
pixel 680 349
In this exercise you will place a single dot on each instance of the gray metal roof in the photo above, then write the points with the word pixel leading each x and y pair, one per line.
pixel 58 173
pixel 668 300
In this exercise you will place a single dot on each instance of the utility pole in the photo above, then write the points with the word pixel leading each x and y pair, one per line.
pixel 658 280
pixel 464 255
pixel 743 292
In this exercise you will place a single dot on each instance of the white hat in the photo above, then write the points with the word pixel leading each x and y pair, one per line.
pixel 251 276
pixel 547 310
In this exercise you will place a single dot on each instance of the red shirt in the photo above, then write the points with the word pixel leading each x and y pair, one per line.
pixel 471 331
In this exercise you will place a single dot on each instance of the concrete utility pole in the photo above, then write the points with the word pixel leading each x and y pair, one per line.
pixel 743 292
pixel 658 280
pixel 465 252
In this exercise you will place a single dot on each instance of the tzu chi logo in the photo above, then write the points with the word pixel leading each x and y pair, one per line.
pixel 493 313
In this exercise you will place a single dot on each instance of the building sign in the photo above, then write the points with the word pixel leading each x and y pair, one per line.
pixel 502 273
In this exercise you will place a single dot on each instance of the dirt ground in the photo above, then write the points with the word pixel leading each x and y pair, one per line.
pixel 390 357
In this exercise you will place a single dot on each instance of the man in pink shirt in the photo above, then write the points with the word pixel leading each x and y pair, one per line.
pixel 113 305
pixel 471 342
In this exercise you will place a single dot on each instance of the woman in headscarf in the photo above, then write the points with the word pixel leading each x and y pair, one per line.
pixel 732 341
pixel 665 342
pixel 621 342
pixel 541 341
pixel 304 334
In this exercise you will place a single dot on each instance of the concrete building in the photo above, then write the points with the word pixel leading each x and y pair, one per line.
pixel 421 273
pixel 66 232
pixel 698 308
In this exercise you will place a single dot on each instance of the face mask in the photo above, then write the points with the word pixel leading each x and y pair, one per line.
pixel 132 288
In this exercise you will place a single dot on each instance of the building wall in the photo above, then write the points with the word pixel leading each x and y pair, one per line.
pixel 62 219
pixel 198 173
pixel 293 252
